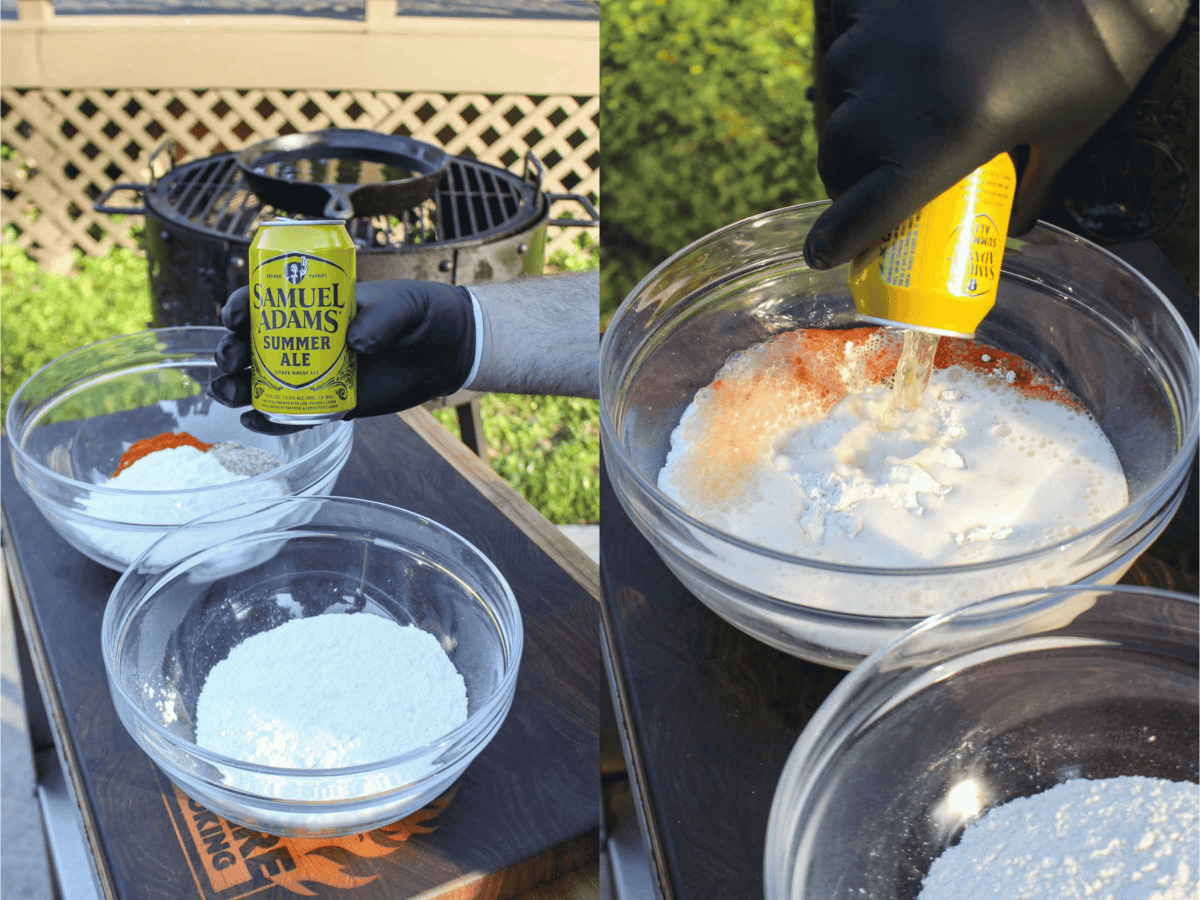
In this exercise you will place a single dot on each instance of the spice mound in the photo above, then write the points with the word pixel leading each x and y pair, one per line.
pixel 165 441
pixel 159 483
pixel 174 466
pixel 323 692
pixel 237 459
pixel 1127 837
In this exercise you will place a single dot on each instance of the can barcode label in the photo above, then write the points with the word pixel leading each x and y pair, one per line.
pixel 900 252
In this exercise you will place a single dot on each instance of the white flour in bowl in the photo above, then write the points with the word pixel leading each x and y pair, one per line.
pixel 165 482
pixel 168 472
pixel 1126 838
pixel 330 691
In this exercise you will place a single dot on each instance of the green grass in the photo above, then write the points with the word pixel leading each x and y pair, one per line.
pixel 547 448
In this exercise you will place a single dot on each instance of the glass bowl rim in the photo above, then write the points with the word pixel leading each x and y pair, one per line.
pixel 820 736
pixel 614 447
pixel 343 427
pixel 1024 602
pixel 110 628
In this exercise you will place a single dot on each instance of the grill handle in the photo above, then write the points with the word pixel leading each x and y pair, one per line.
pixel 582 201
pixel 167 144
pixel 532 163
pixel 99 203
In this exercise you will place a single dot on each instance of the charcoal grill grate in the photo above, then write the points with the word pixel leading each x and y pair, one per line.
pixel 474 202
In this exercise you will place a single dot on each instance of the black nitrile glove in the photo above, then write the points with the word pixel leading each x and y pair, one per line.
pixel 415 340
pixel 920 93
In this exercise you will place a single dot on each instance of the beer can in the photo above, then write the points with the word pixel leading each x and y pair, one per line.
pixel 939 269
pixel 302 298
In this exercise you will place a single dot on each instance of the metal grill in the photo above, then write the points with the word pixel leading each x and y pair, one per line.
pixel 474 202
pixel 483 223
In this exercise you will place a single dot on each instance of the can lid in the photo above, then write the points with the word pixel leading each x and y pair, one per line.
pixel 895 323
pixel 282 220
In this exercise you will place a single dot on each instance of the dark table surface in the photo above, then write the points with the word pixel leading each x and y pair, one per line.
pixel 525 811
pixel 708 716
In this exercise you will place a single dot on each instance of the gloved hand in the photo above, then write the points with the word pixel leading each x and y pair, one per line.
pixel 920 93
pixel 415 340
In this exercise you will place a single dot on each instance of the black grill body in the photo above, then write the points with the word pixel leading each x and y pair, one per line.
pixel 483 224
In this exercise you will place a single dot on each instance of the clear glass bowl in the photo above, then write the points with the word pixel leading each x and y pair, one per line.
pixel 1064 305
pixel 970 710
pixel 252 568
pixel 70 422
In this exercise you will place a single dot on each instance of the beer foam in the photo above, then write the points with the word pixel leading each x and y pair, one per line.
pixel 788 448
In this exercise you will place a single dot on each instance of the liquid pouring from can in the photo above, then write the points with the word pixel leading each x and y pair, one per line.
pixel 937 272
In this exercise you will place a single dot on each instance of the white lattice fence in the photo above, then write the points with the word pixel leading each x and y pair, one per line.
pixel 63 147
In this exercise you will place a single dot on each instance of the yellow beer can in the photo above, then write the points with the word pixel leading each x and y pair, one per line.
pixel 302 298
pixel 939 269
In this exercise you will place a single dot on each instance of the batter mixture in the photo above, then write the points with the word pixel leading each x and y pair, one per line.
pixel 792 448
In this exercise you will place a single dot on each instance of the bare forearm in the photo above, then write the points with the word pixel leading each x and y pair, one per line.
pixel 540 335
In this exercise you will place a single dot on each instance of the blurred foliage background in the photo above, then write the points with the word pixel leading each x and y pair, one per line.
pixel 704 121
pixel 45 314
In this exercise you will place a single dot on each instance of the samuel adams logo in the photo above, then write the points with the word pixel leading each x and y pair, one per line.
pixel 975 258
pixel 299 327
pixel 295 268
pixel 230 862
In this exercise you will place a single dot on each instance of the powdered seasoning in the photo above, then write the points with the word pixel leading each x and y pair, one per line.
pixel 243 460
pixel 1127 838
pixel 165 483
pixel 330 691
pixel 168 472
pixel 163 441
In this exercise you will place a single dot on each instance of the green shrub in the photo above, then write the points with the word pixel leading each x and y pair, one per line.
pixel 583 255
pixel 548 448
pixel 44 314
pixel 704 121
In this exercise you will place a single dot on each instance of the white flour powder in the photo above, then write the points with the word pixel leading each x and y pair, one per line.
pixel 1123 838
pixel 166 473
pixel 172 469
pixel 328 692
